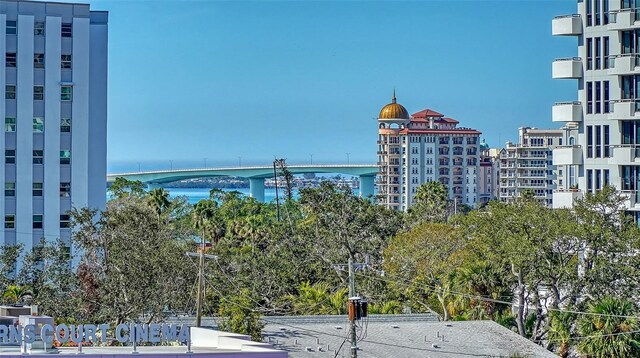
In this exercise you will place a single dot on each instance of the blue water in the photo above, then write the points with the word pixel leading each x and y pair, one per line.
pixel 196 194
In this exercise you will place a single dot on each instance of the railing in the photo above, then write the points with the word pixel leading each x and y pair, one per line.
pixel 576 103
pixel 566 16
pixel 636 101
pixel 613 15
pixel 568 59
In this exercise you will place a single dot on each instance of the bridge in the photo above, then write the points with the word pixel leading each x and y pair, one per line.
pixel 256 175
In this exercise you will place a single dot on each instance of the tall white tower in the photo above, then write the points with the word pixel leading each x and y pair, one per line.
pixel 53 84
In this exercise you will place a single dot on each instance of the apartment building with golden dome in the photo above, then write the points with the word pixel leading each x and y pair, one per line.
pixel 423 147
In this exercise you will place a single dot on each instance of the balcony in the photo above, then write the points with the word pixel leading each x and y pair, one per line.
pixel 625 155
pixel 567 155
pixel 567 25
pixel 567 112
pixel 623 19
pixel 567 68
pixel 625 109
pixel 632 198
pixel 564 198
pixel 623 64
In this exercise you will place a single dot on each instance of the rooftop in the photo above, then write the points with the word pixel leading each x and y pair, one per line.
pixel 404 336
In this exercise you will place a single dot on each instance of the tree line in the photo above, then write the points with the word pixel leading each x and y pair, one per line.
pixel 566 279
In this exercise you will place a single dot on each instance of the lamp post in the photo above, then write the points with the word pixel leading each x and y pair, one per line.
pixel 348 157
pixel 311 162
pixel 205 162
pixel 171 164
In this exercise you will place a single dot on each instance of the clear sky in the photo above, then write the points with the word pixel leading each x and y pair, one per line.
pixel 190 80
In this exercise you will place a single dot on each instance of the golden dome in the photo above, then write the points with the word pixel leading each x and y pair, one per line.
pixel 393 110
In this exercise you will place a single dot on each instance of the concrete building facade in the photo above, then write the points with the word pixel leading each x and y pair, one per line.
pixel 606 114
pixel 424 147
pixel 488 183
pixel 528 165
pixel 53 85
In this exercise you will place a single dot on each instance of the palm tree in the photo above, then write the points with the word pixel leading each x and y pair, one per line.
pixel 15 294
pixel 560 324
pixel 202 215
pixel 610 331
pixel 159 200
pixel 431 200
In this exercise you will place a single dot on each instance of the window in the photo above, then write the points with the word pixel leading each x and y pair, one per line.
pixel 9 221
pixel 38 125
pixel 65 190
pixel 589 180
pixel 66 30
pixel 598 180
pixel 37 189
pixel 605 136
pixel 65 157
pixel 9 189
pixel 589 141
pixel 37 221
pixel 10 124
pixel 11 59
pixel 598 53
pixel 65 61
pixel 38 156
pixel 38 93
pixel 66 93
pixel 65 125
pixel 38 28
pixel 598 97
pixel 38 60
pixel 606 177
pixel 589 97
pixel 605 51
pixel 598 153
pixel 605 95
pixel 10 92
pixel 64 221
pixel 589 13
pixel 589 53
pixel 12 27
pixel 10 156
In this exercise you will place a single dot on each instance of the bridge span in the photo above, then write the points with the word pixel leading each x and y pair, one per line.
pixel 256 175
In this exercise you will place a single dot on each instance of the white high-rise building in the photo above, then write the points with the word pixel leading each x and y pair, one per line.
pixel 53 83
pixel 606 114
pixel 527 165
pixel 424 147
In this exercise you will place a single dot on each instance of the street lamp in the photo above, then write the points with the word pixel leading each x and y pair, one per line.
pixel 171 164
pixel 311 155
pixel 348 157
pixel 205 162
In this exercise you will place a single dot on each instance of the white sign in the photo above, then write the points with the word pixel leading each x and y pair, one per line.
pixel 152 333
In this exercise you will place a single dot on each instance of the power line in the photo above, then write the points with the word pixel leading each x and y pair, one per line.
pixel 488 299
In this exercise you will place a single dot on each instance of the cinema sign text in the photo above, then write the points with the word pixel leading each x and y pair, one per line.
pixel 123 333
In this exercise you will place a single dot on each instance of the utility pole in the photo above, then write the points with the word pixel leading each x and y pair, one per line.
pixel 200 299
pixel 352 322
pixel 354 301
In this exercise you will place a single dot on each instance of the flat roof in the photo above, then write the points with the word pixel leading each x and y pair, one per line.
pixel 404 336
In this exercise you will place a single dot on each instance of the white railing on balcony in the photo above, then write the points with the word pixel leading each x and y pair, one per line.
pixel 567 68
pixel 566 25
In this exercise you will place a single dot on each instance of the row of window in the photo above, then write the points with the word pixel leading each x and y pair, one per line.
pixel 37 189
pixel 442 140
pixel 597 12
pixel 11 60
pixel 597 179
pixel 66 93
pixel 10 124
pixel 10 221
pixel 598 97
pixel 598 142
pixel 66 29
pixel 38 156
pixel 597 53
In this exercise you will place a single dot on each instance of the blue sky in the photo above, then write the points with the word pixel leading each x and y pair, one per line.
pixel 190 80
